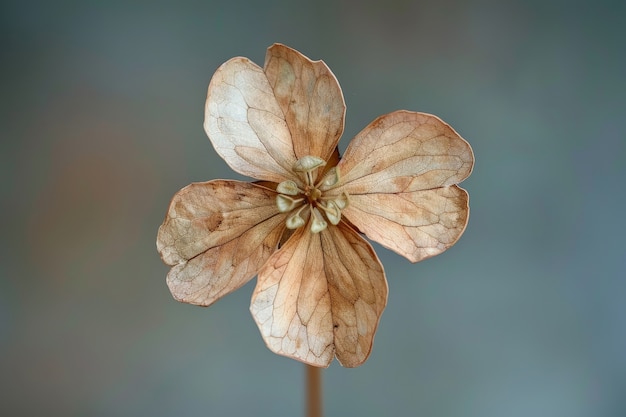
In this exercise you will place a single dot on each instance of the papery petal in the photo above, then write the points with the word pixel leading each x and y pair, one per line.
pixel 311 100
pixel 321 294
pixel 416 225
pixel 217 235
pixel 245 123
pixel 403 152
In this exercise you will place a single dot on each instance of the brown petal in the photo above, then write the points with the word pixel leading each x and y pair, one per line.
pixel 321 294
pixel 416 225
pixel 245 123
pixel 310 97
pixel 216 235
pixel 403 152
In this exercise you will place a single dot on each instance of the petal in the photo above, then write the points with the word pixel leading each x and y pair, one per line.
pixel 321 294
pixel 416 225
pixel 358 292
pixel 311 100
pixel 403 152
pixel 245 123
pixel 217 235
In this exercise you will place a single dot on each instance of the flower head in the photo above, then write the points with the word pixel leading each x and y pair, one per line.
pixel 321 289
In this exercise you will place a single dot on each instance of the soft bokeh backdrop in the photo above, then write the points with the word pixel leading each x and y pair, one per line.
pixel 102 111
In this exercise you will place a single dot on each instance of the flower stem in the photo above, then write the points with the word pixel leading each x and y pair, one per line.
pixel 313 391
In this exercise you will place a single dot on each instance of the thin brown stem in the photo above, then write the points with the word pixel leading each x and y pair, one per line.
pixel 313 391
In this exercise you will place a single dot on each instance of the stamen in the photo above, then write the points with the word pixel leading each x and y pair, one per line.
pixel 342 201
pixel 332 212
pixel 317 221
pixel 286 203
pixel 294 221
pixel 288 187
pixel 331 178
pixel 308 163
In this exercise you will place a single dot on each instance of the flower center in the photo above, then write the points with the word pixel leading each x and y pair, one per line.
pixel 306 198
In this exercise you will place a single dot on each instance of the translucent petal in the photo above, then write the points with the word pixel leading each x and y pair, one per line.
pixel 310 98
pixel 416 225
pixel 246 124
pixel 320 295
pixel 403 152
pixel 216 236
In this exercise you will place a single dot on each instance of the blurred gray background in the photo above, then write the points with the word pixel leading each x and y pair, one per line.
pixel 102 111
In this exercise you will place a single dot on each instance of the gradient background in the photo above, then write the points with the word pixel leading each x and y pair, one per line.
pixel 102 111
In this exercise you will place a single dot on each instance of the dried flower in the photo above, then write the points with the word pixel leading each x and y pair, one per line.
pixel 321 289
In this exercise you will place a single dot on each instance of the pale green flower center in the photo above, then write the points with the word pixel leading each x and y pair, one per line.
pixel 304 197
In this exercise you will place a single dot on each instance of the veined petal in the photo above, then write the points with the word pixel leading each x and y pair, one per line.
pixel 416 225
pixel 217 235
pixel 321 294
pixel 246 124
pixel 358 292
pixel 311 100
pixel 292 309
pixel 403 152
